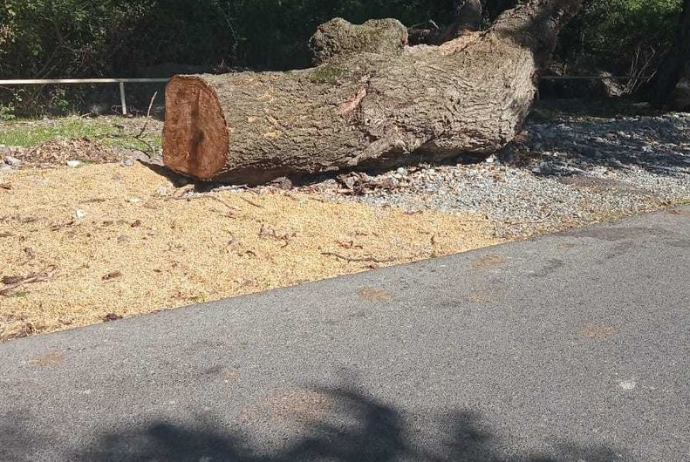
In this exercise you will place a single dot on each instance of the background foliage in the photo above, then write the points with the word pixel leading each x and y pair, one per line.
pixel 105 38
pixel 620 35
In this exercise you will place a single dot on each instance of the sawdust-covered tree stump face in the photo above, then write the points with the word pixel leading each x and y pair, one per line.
pixel 195 137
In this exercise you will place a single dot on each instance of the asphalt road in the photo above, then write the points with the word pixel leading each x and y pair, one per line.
pixel 573 347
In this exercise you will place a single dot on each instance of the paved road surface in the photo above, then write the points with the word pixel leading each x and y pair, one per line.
pixel 573 347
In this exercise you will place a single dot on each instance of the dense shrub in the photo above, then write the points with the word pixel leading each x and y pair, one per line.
pixel 621 36
pixel 44 38
pixel 105 38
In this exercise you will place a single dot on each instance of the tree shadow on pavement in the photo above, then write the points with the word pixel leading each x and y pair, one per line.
pixel 361 429
pixel 18 434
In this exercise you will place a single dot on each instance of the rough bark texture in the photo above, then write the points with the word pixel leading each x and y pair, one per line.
pixel 363 110
pixel 674 65
pixel 339 38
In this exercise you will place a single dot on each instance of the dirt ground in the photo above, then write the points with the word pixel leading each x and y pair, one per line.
pixel 103 241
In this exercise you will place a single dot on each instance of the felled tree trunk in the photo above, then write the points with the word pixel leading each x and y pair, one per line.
pixel 361 109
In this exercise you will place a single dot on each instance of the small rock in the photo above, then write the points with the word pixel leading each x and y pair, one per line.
pixel 282 183
pixel 327 184
pixel 134 200
pixel 73 163
pixel 80 213
pixel 627 384
pixel 162 191
pixel 128 162
pixel 12 161
pixel 401 171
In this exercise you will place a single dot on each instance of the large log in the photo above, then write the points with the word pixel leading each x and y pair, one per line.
pixel 363 110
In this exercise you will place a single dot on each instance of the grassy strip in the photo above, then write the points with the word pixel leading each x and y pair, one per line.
pixel 107 130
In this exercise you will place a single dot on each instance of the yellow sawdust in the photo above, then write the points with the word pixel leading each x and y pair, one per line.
pixel 135 248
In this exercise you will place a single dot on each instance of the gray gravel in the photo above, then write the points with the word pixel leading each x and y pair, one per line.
pixel 555 175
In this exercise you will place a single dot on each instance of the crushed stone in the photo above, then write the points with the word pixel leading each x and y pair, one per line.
pixel 554 176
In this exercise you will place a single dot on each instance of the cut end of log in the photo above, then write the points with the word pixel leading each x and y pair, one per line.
pixel 195 135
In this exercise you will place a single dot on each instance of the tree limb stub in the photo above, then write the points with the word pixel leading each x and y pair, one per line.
pixel 467 17
pixel 338 38
pixel 363 107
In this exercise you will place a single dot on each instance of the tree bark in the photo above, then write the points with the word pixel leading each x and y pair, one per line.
pixel 674 64
pixel 363 110
pixel 338 38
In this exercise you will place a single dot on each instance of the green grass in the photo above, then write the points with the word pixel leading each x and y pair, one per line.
pixel 27 133
pixel 106 130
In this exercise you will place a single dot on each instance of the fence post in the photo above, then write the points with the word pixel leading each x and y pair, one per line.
pixel 122 98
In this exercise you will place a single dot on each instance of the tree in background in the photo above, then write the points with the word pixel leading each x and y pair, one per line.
pixel 106 38
pixel 675 63
pixel 624 37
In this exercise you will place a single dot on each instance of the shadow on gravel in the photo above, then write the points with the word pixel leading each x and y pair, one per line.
pixel 362 429
pixel 657 144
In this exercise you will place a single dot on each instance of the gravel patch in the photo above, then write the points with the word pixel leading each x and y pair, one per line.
pixel 554 175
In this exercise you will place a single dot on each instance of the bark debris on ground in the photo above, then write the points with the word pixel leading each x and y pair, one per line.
pixel 97 242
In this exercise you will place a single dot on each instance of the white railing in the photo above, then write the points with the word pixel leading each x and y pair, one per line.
pixel 121 83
